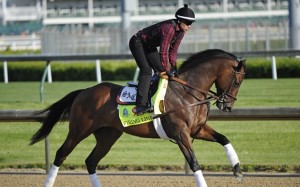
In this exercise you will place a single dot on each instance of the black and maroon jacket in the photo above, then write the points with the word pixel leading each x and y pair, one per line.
pixel 166 35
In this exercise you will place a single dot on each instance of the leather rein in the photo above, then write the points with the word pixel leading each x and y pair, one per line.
pixel 200 102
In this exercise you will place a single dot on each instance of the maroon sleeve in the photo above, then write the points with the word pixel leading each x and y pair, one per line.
pixel 167 33
pixel 174 48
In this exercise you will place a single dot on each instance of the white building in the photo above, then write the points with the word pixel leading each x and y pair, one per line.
pixel 54 12
pixel 56 24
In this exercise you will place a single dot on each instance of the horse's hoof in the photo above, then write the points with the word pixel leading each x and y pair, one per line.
pixel 237 172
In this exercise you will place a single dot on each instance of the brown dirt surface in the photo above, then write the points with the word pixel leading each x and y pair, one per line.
pixel 138 179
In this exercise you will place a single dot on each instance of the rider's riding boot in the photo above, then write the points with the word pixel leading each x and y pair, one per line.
pixel 142 109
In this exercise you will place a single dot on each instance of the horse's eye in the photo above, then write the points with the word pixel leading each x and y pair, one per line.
pixel 236 84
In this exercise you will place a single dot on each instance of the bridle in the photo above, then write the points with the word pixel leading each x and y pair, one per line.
pixel 225 93
pixel 221 98
pixel 218 97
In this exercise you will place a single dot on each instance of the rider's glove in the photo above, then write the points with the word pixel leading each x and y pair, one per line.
pixel 173 71
pixel 170 74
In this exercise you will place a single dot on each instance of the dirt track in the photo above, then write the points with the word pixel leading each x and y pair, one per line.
pixel 16 179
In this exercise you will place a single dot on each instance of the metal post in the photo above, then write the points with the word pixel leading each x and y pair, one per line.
pixel 98 71
pixel 187 168
pixel 43 82
pixel 274 69
pixel 5 72
pixel 47 152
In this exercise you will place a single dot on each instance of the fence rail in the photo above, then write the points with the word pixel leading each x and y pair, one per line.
pixel 239 114
pixel 49 58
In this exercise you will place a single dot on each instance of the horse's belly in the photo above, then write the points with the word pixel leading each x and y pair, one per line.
pixel 143 130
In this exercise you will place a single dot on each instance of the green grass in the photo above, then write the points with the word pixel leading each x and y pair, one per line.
pixel 269 93
pixel 261 145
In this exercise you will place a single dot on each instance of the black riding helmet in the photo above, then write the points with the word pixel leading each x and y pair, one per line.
pixel 185 15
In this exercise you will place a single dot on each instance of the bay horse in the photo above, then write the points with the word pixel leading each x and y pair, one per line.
pixel 94 111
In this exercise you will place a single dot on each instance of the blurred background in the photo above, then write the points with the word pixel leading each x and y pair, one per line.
pixel 105 26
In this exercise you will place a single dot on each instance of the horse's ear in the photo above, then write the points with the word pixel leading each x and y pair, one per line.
pixel 242 63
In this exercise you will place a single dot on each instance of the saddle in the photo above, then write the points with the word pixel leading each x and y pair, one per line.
pixel 126 105
pixel 157 91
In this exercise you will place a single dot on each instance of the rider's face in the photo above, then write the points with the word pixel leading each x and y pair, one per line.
pixel 185 26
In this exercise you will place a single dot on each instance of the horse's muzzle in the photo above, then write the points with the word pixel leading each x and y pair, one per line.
pixel 225 107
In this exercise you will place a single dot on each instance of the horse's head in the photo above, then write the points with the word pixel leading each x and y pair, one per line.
pixel 215 66
pixel 228 85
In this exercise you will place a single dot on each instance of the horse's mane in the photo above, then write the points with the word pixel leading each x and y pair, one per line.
pixel 203 56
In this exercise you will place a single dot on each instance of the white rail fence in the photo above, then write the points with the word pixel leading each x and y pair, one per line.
pixel 50 58
pixel 97 58
pixel 84 57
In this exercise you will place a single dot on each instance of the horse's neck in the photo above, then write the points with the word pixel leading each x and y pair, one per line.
pixel 202 79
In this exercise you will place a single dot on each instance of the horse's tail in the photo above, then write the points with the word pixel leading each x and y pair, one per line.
pixel 55 112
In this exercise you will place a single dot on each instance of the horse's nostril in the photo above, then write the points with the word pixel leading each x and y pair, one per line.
pixel 228 109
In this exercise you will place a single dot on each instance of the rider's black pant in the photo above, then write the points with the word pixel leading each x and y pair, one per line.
pixel 147 58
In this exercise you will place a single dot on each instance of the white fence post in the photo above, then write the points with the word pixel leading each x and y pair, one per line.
pixel 274 69
pixel 49 74
pixel 98 71
pixel 136 74
pixel 5 72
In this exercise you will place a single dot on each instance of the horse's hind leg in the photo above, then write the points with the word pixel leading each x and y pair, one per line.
pixel 77 132
pixel 67 147
pixel 209 134
pixel 61 154
pixel 105 138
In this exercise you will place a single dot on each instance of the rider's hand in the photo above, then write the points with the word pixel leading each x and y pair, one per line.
pixel 174 72
pixel 170 74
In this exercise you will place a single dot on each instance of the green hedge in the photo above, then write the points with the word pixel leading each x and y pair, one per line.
pixel 70 71
pixel 124 70
pixel 261 68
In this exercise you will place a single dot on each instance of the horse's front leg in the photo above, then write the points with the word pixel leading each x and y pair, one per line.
pixel 209 134
pixel 184 142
